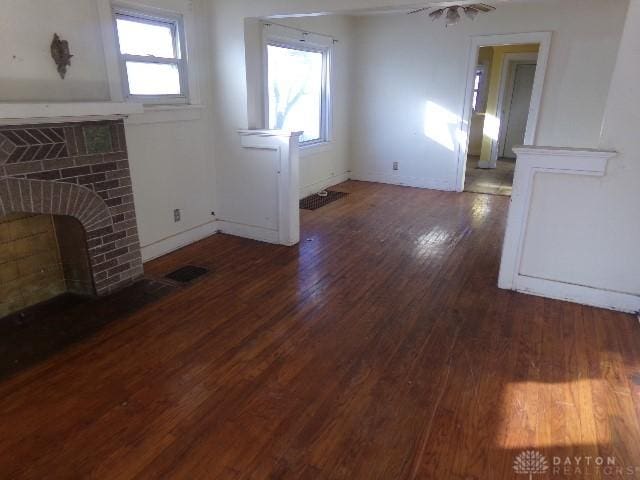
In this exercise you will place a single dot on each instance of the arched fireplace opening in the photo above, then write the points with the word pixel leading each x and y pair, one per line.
pixel 42 256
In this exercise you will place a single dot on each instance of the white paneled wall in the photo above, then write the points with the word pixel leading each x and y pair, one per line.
pixel 586 231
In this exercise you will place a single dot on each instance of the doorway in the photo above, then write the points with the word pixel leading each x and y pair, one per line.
pixel 504 91
pixel 504 94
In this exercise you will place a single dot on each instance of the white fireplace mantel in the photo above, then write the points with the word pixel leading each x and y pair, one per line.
pixel 32 113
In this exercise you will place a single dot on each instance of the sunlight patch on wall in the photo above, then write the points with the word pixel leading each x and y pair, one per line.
pixel 491 127
pixel 462 137
pixel 442 126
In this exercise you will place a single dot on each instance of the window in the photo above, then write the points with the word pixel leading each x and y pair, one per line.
pixel 479 82
pixel 151 56
pixel 297 90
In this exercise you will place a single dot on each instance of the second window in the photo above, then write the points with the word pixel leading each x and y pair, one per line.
pixel 297 89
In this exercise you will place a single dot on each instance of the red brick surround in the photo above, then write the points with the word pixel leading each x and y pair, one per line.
pixel 50 169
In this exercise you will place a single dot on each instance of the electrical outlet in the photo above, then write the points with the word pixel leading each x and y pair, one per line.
pixel 395 165
pixel 176 215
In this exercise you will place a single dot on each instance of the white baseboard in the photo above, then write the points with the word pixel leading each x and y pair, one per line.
pixel 595 297
pixel 248 231
pixel 315 187
pixel 418 182
pixel 174 242
pixel 182 239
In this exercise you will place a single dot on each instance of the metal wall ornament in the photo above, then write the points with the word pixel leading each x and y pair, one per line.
pixel 452 12
pixel 61 55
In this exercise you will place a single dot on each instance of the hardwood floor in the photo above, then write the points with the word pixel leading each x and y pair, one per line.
pixel 379 348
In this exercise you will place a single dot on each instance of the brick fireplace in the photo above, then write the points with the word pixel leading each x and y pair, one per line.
pixel 66 202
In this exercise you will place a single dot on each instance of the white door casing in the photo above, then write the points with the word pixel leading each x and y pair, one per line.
pixel 541 38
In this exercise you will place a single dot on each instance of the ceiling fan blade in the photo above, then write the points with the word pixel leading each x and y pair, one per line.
pixel 436 14
pixel 419 10
pixel 483 7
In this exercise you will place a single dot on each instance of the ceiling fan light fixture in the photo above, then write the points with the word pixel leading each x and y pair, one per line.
pixel 452 12
pixel 453 16
pixel 470 12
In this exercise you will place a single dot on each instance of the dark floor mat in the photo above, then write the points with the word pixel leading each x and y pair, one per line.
pixel 187 274
pixel 43 330
pixel 313 202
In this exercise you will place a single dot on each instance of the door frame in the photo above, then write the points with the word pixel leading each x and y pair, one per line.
pixel 541 38
pixel 505 96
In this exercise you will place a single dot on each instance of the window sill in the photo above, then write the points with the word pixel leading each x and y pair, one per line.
pixel 167 113
pixel 315 148
pixel 168 107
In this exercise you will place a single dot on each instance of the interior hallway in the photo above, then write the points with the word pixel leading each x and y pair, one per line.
pixel 495 181
pixel 379 348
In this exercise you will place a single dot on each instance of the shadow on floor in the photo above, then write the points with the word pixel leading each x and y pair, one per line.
pixel 43 330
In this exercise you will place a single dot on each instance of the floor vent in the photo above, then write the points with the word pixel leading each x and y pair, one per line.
pixel 187 274
pixel 316 201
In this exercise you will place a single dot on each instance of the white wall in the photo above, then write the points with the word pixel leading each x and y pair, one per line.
pixel 326 165
pixel 392 85
pixel 28 72
pixel 586 231
pixel 582 230
pixel 170 152
pixel 411 76
pixel 230 96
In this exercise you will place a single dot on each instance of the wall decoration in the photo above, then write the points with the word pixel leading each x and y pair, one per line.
pixel 61 55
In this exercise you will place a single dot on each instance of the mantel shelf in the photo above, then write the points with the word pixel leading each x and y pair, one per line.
pixel 31 113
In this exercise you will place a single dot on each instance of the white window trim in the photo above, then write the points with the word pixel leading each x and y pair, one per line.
pixel 287 37
pixel 481 99
pixel 112 54
pixel 152 18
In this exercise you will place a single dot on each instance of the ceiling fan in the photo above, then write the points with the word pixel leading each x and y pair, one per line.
pixel 452 12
